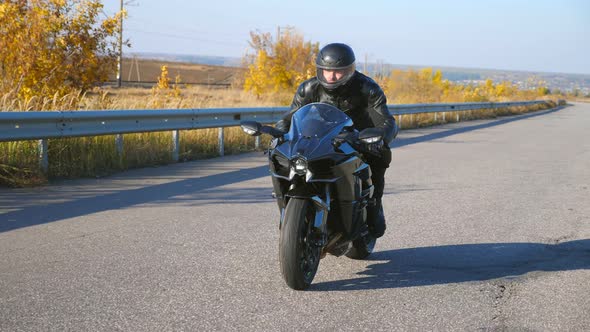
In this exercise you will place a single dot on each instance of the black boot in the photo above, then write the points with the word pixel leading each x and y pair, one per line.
pixel 376 218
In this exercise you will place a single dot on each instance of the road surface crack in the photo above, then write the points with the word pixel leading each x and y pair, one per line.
pixel 500 293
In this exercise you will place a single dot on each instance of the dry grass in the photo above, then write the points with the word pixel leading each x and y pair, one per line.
pixel 97 156
pixel 190 97
pixel 431 119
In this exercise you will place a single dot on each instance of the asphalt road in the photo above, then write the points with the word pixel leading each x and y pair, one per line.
pixel 488 230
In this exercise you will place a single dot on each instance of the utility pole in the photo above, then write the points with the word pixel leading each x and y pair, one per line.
pixel 120 56
pixel 137 68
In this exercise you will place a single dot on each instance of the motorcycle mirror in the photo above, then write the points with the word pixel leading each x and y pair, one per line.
pixel 251 128
pixel 371 135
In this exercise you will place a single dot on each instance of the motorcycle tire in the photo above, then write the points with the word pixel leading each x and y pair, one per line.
pixel 299 259
pixel 362 247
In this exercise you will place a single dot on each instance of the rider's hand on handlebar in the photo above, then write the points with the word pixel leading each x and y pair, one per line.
pixel 375 148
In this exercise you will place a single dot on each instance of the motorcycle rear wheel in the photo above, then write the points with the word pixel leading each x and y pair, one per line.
pixel 298 257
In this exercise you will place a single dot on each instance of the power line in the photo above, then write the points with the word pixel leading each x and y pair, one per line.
pixel 142 22
pixel 171 35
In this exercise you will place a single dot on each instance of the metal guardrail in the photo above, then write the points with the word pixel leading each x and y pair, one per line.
pixel 16 126
pixel 454 107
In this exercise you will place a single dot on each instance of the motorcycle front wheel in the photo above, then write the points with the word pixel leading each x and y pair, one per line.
pixel 299 258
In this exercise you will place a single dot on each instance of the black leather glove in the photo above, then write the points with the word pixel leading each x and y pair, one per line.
pixel 375 148
pixel 282 125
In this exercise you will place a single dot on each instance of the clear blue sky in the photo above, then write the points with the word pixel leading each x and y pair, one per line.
pixel 540 35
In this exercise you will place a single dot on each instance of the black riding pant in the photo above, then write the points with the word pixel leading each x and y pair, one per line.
pixel 378 179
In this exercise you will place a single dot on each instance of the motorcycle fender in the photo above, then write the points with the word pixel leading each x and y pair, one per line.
pixel 304 192
pixel 321 212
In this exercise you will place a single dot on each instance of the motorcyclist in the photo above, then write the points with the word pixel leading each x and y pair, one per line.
pixel 338 83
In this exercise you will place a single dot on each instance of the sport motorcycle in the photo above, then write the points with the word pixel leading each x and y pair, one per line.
pixel 322 184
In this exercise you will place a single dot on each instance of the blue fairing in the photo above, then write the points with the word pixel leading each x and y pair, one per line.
pixel 312 126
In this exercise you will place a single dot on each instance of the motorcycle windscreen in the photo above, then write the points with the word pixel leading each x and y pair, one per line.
pixel 312 127
pixel 316 120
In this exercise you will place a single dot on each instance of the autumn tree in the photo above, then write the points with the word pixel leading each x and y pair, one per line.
pixel 426 86
pixel 279 65
pixel 52 47
pixel 410 86
pixel 164 90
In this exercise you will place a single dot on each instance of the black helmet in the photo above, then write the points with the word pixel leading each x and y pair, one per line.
pixel 335 65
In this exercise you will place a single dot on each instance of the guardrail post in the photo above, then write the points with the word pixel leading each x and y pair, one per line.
pixel 457 116
pixel 119 144
pixel 444 116
pixel 400 122
pixel 435 117
pixel 43 160
pixel 257 142
pixel 221 147
pixel 175 145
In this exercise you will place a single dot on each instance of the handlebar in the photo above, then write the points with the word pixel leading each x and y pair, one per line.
pixel 352 138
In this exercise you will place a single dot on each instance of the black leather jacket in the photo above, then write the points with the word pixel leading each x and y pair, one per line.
pixel 360 98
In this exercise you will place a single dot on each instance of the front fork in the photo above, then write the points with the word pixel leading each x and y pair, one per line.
pixel 319 228
pixel 319 231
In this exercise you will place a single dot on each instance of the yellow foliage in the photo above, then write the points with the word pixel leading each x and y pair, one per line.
pixel 415 87
pixel 424 86
pixel 55 46
pixel 279 65
pixel 163 80
pixel 163 90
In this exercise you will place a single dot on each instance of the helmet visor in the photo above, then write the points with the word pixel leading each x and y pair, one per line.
pixel 332 78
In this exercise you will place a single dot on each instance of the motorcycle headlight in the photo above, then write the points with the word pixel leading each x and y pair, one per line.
pixel 371 140
pixel 299 165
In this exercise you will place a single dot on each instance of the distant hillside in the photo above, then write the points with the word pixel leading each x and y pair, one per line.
pixel 200 59
pixel 148 70
pixel 231 66
pixel 523 79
